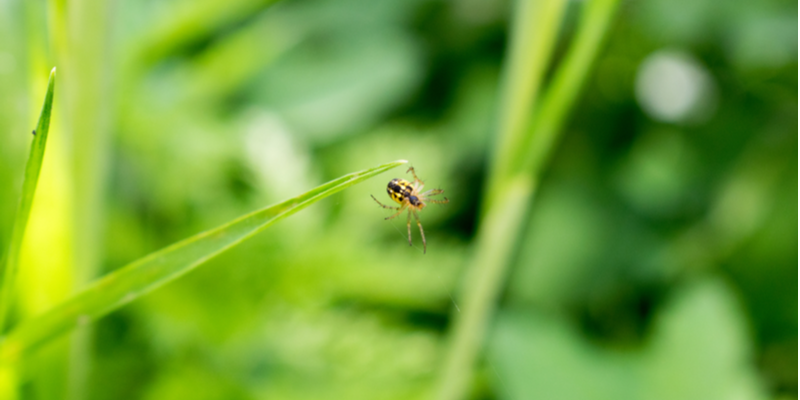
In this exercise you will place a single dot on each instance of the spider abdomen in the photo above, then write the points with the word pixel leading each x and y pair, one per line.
pixel 400 190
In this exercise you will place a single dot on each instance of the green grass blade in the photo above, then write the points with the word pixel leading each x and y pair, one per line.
pixel 142 276
pixel 32 170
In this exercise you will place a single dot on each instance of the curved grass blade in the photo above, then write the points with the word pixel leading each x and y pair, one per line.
pixel 32 170
pixel 140 277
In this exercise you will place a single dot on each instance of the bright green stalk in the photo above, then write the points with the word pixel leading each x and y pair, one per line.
pixel 567 83
pixel 32 170
pixel 87 83
pixel 145 275
pixel 534 32
pixel 496 243
pixel 512 185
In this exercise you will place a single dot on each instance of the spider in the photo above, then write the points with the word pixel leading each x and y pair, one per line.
pixel 409 197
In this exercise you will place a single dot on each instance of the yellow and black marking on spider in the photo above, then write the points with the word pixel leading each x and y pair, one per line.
pixel 410 196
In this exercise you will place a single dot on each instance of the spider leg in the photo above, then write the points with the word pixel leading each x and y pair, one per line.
pixel 416 179
pixel 421 232
pixel 433 192
pixel 445 201
pixel 401 209
pixel 408 223
pixel 384 206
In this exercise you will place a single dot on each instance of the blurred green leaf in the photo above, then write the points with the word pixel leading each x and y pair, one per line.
pixel 698 349
pixel 344 84
pixel 142 276
pixel 32 170
pixel 565 250
pixel 182 24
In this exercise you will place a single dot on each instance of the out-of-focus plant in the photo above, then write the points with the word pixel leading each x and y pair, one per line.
pixel 529 125
pixel 628 247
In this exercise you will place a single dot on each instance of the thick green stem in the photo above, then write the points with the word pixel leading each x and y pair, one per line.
pixel 524 147
pixel 570 77
pixel 534 32
pixel 87 90
pixel 496 242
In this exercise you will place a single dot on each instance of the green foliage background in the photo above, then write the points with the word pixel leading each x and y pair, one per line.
pixel 659 260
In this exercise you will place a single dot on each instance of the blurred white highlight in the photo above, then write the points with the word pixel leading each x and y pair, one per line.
pixel 281 163
pixel 671 86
